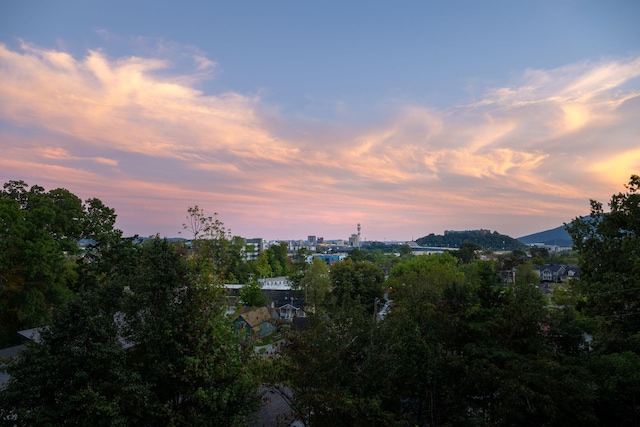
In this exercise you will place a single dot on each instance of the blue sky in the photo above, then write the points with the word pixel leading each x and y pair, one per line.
pixel 298 118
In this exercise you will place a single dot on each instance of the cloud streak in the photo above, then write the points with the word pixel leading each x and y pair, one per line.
pixel 139 135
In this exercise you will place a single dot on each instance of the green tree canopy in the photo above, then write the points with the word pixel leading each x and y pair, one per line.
pixel 77 374
pixel 376 256
pixel 608 291
pixel 39 231
pixel 467 252
pixel 151 346
pixel 330 371
pixel 315 284
pixel 483 238
pixel 358 281
pixel 251 295
pixel 468 352
pixel 609 248
pixel 214 251
pixel 425 274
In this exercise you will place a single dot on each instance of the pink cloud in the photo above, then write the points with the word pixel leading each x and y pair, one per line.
pixel 150 144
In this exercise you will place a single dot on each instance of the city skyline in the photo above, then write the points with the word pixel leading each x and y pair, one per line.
pixel 292 119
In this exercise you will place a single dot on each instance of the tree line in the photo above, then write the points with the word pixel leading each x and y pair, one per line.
pixel 483 238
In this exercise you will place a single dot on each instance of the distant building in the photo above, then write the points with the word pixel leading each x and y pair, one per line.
pixel 550 248
pixel 296 245
pixel 354 240
pixel 557 273
pixel 416 249
pixel 275 283
pixel 254 248
pixel 330 259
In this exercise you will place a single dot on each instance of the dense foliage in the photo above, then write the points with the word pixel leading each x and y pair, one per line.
pixel 358 282
pixel 142 337
pixel 39 231
pixel 315 285
pixel 483 238
pixel 609 295
pixel 454 350
pixel 150 346
pixel 384 260
pixel 137 333
pixel 384 247
pixel 461 348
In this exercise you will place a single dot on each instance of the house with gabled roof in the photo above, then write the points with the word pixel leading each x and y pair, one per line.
pixel 557 273
pixel 551 272
pixel 288 311
pixel 255 321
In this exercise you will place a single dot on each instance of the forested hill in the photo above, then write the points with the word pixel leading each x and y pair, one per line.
pixel 483 238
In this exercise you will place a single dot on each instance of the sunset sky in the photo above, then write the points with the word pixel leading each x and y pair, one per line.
pixel 297 118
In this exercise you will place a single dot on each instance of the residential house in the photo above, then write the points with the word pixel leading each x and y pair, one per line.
pixel 256 321
pixel 278 292
pixel 291 310
pixel 557 273
pixel 286 302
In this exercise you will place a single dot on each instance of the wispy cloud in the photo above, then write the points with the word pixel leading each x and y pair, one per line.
pixel 140 133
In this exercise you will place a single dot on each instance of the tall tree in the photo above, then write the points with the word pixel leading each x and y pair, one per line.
pixel 77 374
pixel 609 286
pixel 359 281
pixel 151 345
pixel 213 249
pixel 526 275
pixel 316 284
pixel 261 265
pixel 251 295
pixel 467 252
pixel 299 267
pixel 609 248
pixel 331 372
pixel 99 223
pixel 183 344
pixel 279 259
pixel 37 234
pixel 425 275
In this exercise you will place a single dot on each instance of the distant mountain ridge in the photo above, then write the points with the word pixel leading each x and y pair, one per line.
pixel 557 236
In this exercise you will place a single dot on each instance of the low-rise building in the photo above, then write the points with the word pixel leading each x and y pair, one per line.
pixel 557 273
pixel 256 322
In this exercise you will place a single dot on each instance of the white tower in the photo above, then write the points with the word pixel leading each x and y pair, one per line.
pixel 354 240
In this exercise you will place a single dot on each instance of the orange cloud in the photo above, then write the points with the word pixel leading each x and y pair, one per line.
pixel 616 166
pixel 152 142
